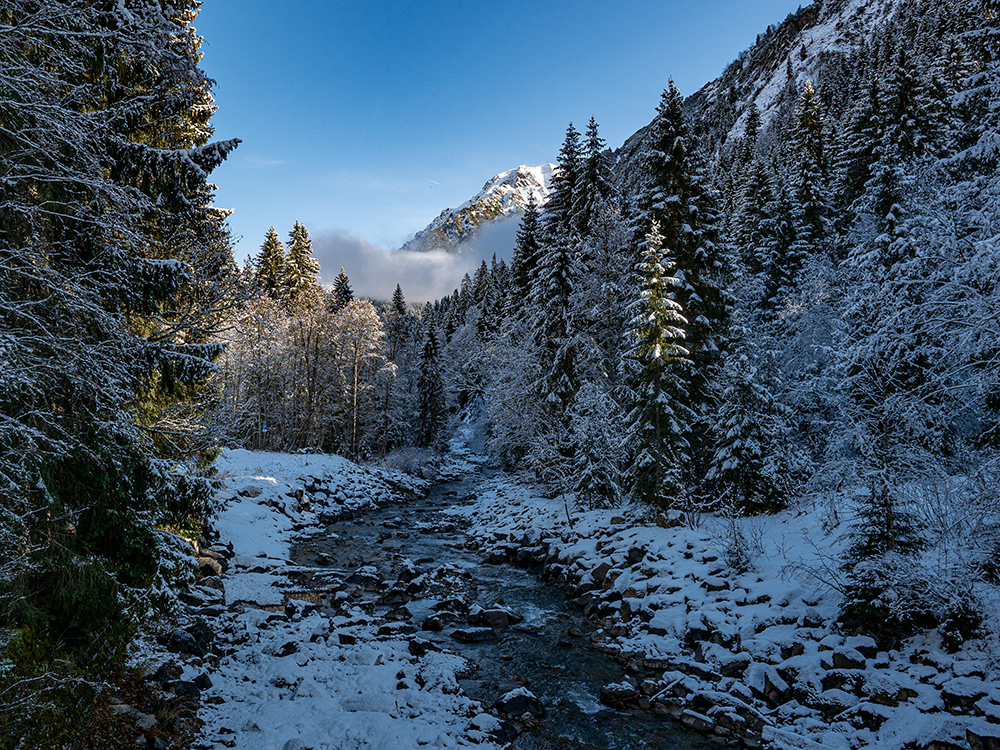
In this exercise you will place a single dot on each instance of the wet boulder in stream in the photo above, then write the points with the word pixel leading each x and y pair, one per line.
pixel 620 694
pixel 474 635
pixel 495 617
pixel 517 703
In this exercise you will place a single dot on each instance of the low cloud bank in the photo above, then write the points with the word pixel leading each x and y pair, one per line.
pixel 423 276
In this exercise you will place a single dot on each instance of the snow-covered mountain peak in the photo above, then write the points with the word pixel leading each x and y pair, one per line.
pixel 503 196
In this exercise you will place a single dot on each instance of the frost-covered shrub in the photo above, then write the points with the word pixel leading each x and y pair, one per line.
pixel 963 620
pixel 888 598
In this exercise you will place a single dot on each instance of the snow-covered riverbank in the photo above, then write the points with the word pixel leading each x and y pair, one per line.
pixel 752 658
pixel 755 655
pixel 285 675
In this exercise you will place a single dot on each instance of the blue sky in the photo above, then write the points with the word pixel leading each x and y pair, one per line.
pixel 363 120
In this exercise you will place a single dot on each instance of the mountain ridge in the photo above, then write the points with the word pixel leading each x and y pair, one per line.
pixel 504 195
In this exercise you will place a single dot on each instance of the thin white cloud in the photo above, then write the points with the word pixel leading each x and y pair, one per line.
pixel 262 162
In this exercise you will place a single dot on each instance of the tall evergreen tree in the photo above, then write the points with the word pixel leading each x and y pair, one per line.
pixel 861 135
pixel 911 116
pixel 556 277
pixel 342 292
pixel 684 209
pixel 751 135
pixel 397 323
pixel 301 268
pixel 752 221
pixel 558 218
pixel 784 254
pixel 553 327
pixel 113 261
pixel 592 185
pixel 752 460
pixel 525 260
pixel 660 420
pixel 431 407
pixel 811 179
pixel 270 266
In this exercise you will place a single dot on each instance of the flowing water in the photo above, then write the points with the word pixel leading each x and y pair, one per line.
pixel 563 671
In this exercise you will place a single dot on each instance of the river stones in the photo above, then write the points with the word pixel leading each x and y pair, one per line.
pixel 418 647
pixel 474 635
pixel 619 694
pixel 366 576
pixel 451 605
pixel 517 703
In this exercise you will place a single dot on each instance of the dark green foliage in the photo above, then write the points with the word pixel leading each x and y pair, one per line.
pixel 270 266
pixel 684 210
pixel 431 405
pixel 884 599
pixel 342 292
pixel 558 221
pixel 812 177
pixel 398 301
pixel 660 419
pixel 301 269
pixel 962 621
pixel 114 272
pixel 592 185
pixel 751 463
pixel 525 260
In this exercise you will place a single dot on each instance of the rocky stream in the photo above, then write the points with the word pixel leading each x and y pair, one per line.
pixel 528 647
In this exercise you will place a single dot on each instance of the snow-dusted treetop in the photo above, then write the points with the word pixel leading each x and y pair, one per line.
pixel 505 195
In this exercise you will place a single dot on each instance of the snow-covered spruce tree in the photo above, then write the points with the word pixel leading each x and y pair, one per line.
pixel 783 256
pixel 269 267
pixel 753 221
pixel 558 215
pixel 753 462
pixel 605 294
pixel 899 426
pixel 105 147
pixel 593 184
pixel 492 306
pixel 553 326
pixel 524 261
pixel 683 207
pixel 811 184
pixel 557 275
pixel 862 132
pixel 397 324
pixel 342 292
pixel 911 116
pixel 659 419
pixel 597 425
pixel 301 269
pixel 749 148
pixel 431 405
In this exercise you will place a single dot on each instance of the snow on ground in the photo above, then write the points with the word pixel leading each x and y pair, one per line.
pixel 756 651
pixel 293 677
